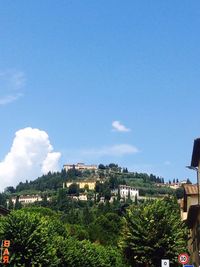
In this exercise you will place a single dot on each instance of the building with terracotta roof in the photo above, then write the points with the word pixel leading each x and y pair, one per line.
pixel 191 207
pixel 190 196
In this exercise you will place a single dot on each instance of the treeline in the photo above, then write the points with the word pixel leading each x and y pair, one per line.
pixel 156 191
pixel 143 176
pixel 50 181
pixel 123 172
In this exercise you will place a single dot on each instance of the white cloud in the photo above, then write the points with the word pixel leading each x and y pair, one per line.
pixel 115 150
pixel 9 99
pixel 17 79
pixel 30 156
pixel 51 162
pixel 117 126
pixel 11 84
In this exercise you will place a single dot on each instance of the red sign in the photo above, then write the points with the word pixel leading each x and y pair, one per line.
pixel 183 258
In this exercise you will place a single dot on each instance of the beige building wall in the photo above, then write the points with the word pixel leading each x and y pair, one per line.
pixel 192 200
pixel 83 184
pixel 194 242
pixel 26 199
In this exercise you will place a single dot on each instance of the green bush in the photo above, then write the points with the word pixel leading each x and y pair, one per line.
pixel 75 253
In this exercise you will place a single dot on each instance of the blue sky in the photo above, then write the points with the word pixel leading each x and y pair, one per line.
pixel 73 68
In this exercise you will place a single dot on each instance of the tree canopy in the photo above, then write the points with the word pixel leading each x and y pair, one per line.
pixel 153 231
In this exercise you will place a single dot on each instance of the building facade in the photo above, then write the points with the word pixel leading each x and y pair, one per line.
pixel 85 184
pixel 126 191
pixel 80 167
pixel 27 199
pixel 190 196
pixel 191 206
pixel 193 222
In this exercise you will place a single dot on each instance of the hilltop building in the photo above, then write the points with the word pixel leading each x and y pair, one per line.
pixel 80 167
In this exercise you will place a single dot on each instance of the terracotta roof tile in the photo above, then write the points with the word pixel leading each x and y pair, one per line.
pixel 191 189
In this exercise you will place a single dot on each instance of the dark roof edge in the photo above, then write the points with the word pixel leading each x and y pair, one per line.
pixel 4 210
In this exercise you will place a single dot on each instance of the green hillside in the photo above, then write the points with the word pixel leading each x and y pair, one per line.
pixel 111 174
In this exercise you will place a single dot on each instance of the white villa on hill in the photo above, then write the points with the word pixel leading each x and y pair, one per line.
pixel 126 191
pixel 27 199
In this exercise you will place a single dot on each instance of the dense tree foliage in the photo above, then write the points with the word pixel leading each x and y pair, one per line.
pixel 10 189
pixel 153 231
pixel 101 167
pixel 179 193
pixel 39 237
pixel 73 189
pixel 50 181
pixel 3 198
pixel 31 237
pixel 106 229
pixel 73 174
pixel 84 253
